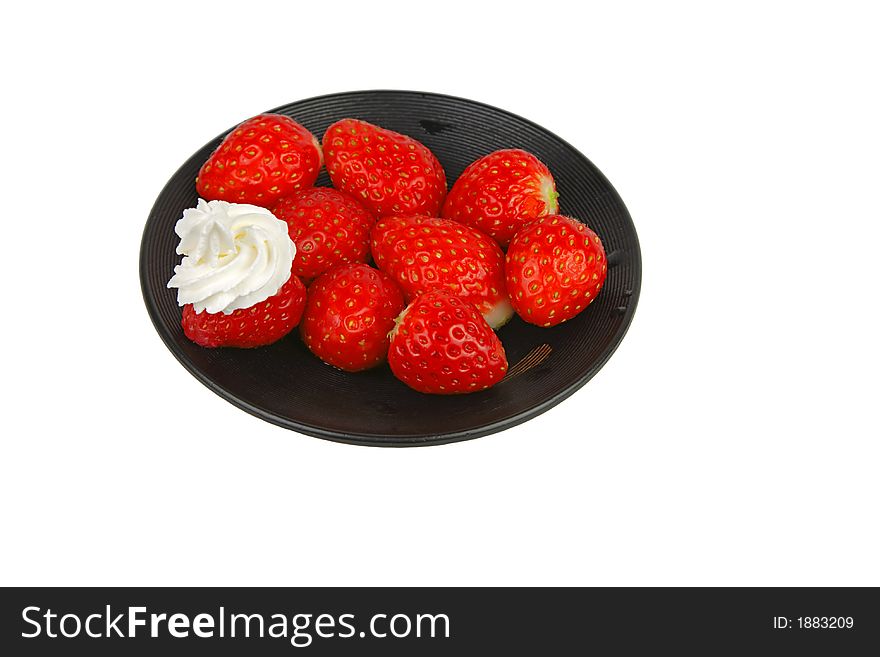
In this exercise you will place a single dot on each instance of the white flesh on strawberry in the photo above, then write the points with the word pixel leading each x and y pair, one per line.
pixel 496 317
pixel 499 314
pixel 549 194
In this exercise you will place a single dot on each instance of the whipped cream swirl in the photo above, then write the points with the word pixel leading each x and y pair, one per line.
pixel 235 255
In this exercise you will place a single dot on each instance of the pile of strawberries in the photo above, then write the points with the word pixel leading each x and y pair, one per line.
pixel 441 282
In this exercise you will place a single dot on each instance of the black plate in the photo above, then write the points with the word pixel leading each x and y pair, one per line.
pixel 286 385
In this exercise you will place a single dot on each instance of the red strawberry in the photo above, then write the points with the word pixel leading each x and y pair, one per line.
pixel 261 324
pixel 263 159
pixel 501 192
pixel 350 311
pixel 424 253
pixel 391 173
pixel 442 345
pixel 555 268
pixel 328 228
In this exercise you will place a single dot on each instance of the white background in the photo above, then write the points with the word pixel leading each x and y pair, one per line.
pixel 732 439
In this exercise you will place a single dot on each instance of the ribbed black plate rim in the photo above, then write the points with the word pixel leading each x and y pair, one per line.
pixel 635 264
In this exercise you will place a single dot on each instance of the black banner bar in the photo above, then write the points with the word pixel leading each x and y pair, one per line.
pixel 438 621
